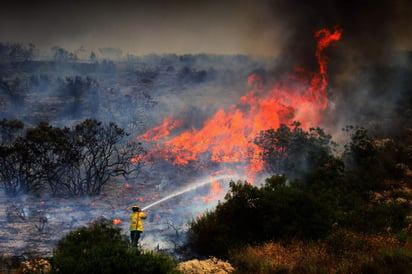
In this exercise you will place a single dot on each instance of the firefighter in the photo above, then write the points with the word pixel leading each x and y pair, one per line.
pixel 136 224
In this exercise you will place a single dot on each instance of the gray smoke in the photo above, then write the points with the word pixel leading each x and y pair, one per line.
pixel 368 70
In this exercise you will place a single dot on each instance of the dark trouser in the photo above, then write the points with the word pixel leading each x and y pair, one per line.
pixel 134 236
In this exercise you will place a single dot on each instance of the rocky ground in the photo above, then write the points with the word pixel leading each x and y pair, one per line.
pixel 210 266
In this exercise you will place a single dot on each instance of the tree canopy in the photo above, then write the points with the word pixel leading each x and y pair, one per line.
pixel 67 161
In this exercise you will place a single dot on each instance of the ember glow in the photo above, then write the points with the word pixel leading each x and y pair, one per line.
pixel 227 136
pixel 117 221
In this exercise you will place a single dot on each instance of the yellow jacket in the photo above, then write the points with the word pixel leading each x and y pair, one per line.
pixel 136 223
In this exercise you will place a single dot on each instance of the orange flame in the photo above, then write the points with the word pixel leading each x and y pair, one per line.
pixel 117 221
pixel 227 136
pixel 160 131
pixel 216 192
pixel 140 199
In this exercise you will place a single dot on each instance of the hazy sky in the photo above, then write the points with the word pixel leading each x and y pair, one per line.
pixel 181 26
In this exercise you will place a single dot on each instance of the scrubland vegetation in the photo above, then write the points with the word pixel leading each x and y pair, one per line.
pixel 321 210
pixel 347 214
pixel 341 216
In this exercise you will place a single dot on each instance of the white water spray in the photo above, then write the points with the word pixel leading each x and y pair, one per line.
pixel 187 189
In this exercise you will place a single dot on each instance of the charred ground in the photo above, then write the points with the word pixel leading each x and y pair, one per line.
pixel 137 93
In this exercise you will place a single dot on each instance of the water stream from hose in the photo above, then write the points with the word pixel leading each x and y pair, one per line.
pixel 187 189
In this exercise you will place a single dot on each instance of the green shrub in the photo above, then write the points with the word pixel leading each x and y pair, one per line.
pixel 397 261
pixel 100 248
pixel 341 242
pixel 252 215
pixel 378 217
pixel 8 263
pixel 292 151
pixel 208 236
pixel 291 212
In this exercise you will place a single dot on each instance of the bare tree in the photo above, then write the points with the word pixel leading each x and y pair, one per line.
pixel 17 52
pixel 49 151
pixel 62 55
pixel 16 169
pixel 93 57
pixel 70 161
pixel 10 130
pixel 103 154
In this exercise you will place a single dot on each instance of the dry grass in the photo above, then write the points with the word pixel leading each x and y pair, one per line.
pixel 329 256
pixel 275 257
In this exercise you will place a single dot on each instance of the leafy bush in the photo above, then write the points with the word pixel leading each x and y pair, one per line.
pixel 378 217
pixel 100 248
pixel 293 151
pixel 7 263
pixel 279 212
pixel 291 212
pixel 341 242
pixel 368 162
pixel 397 261
pixel 253 215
